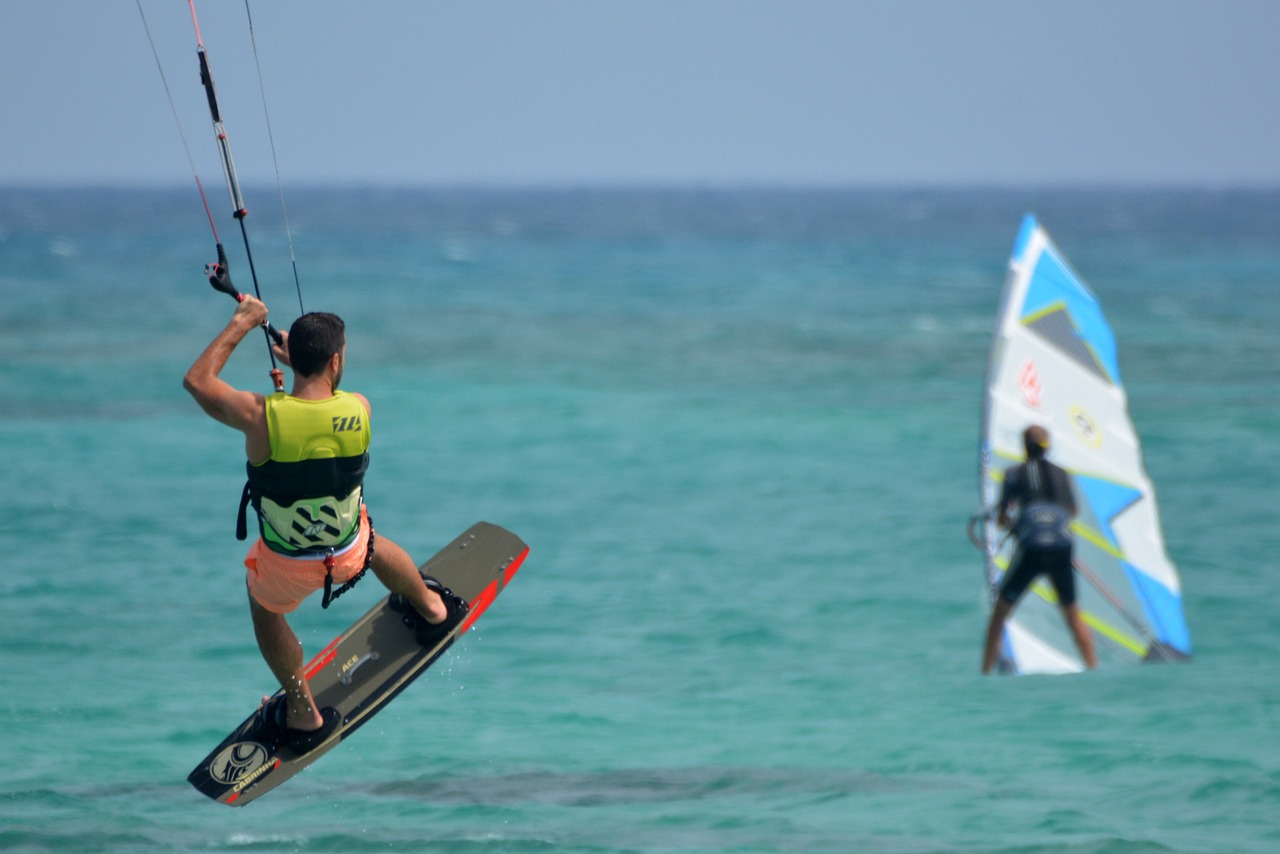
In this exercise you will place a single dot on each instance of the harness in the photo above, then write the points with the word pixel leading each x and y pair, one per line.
pixel 304 507
pixel 1043 524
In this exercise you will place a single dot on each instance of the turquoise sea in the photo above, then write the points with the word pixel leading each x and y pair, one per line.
pixel 738 429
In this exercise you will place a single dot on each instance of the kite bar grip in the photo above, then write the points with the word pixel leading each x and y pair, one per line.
pixel 220 278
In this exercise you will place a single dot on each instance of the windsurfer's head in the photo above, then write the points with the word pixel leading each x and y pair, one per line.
pixel 314 339
pixel 1036 440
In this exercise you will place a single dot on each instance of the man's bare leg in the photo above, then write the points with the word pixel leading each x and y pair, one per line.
pixel 399 574
pixel 1079 631
pixel 283 653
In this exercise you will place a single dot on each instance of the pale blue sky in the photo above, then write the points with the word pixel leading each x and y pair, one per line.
pixel 812 92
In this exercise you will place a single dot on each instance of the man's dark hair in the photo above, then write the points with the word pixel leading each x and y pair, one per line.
pixel 1036 441
pixel 313 339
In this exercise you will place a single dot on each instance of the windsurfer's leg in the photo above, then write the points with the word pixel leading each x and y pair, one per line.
pixel 1079 631
pixel 999 614
pixel 1022 570
pixel 283 653
pixel 1063 577
pixel 399 574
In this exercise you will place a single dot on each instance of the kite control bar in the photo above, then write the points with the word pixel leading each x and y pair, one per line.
pixel 218 275
pixel 220 278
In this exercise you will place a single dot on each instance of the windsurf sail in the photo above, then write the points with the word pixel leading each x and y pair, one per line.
pixel 1053 362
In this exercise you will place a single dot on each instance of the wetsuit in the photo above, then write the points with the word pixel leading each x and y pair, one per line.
pixel 1046 504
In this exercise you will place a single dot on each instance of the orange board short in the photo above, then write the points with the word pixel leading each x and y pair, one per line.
pixel 280 583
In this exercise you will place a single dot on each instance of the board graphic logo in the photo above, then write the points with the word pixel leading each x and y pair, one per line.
pixel 242 758
pixel 1029 382
pixel 1086 427
pixel 349 669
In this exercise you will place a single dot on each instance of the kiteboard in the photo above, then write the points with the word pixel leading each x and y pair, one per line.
pixel 363 669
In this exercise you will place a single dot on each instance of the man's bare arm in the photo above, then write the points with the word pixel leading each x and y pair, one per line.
pixel 233 407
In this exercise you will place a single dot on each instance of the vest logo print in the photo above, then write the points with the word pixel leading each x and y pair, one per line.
pixel 349 424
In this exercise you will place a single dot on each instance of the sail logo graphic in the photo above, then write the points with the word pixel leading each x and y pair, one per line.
pixel 1086 427
pixel 1029 382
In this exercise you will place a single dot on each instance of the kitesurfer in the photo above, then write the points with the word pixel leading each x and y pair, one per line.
pixel 1046 505
pixel 307 453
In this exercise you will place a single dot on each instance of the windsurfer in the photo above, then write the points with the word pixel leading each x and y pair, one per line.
pixel 1046 504
pixel 307 453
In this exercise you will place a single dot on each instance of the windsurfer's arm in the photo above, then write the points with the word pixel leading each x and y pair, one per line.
pixel 239 409
pixel 1006 499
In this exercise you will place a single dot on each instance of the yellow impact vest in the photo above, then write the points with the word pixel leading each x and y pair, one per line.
pixel 307 494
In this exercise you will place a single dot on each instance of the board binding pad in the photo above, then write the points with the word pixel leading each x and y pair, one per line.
pixel 364 668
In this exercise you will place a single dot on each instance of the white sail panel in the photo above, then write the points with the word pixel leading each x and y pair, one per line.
pixel 1054 363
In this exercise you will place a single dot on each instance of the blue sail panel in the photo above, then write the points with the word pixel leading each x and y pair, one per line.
pixel 1107 500
pixel 1054 283
pixel 1163 609
pixel 1028 230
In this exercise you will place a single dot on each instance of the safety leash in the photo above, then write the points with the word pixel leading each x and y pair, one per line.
pixel 329 593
